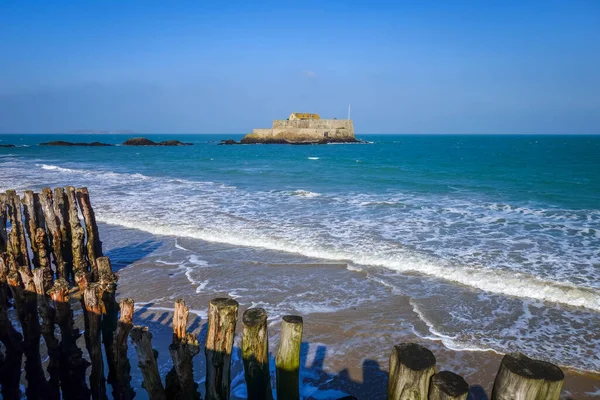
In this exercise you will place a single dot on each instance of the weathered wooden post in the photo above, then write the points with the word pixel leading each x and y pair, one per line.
pixel 47 313
pixel 288 358
pixel 31 223
pixel 522 378
pixel 39 212
pixel 78 249
pixel 94 245
pixel 142 341
pixel 17 243
pixel 122 389
pixel 61 210
pixel 411 368
pixel 255 353
pixel 92 340
pixel 110 309
pixel 43 258
pixel 53 227
pixel 24 296
pixel 222 317
pixel 446 385
pixel 3 219
pixel 553 381
pixel 10 369
pixel 73 365
pixel 183 349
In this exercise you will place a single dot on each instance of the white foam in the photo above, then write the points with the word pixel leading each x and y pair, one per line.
pixel 143 306
pixel 449 342
pixel 501 282
pixel 595 393
pixel 313 158
pixel 56 168
pixel 305 193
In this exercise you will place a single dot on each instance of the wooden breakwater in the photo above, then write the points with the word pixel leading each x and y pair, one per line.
pixel 50 260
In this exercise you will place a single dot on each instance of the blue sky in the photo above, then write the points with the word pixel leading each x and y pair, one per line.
pixel 228 67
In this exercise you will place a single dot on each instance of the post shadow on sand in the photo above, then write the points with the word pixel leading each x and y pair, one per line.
pixel 121 257
pixel 315 382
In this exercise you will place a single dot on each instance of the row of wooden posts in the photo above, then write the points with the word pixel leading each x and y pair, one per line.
pixel 49 261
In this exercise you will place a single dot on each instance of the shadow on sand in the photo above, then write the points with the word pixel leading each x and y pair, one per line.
pixel 121 257
pixel 316 382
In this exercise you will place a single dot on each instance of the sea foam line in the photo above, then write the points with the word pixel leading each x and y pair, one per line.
pixel 499 282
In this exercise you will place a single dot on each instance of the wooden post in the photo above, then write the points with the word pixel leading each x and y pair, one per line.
pixel 47 313
pixel 288 358
pixel 39 212
pixel 94 245
pixel 110 310
pixel 183 349
pixel 142 341
pixel 3 219
pixel 61 210
pixel 78 249
pixel 24 295
pixel 92 340
pixel 10 369
pixel 31 223
pixel 43 257
pixel 53 226
pixel 122 389
pixel 73 365
pixel 17 243
pixel 446 385
pixel 255 353
pixel 521 377
pixel 411 368
pixel 222 316
pixel 553 382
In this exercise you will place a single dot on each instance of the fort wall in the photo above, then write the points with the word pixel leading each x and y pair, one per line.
pixel 301 131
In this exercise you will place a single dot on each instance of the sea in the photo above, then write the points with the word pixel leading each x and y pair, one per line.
pixel 477 242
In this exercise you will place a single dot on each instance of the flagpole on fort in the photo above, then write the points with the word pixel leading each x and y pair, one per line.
pixel 348 111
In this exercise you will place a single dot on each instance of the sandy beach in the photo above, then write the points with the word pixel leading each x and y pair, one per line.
pixel 344 352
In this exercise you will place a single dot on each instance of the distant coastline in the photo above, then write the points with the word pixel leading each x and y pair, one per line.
pixel 99 132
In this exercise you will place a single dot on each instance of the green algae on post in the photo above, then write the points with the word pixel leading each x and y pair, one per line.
pixel 288 358
pixel 255 354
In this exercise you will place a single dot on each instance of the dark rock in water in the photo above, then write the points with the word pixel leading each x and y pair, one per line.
pixel 139 142
pixel 147 142
pixel 228 141
pixel 7 145
pixel 63 143
pixel 173 143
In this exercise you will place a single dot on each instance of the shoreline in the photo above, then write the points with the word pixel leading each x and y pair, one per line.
pixel 333 343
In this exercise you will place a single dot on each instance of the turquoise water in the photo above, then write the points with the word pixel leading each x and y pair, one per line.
pixel 509 225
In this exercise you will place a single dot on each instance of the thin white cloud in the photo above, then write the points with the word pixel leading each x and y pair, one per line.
pixel 309 74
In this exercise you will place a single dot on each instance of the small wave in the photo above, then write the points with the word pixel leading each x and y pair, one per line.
pixel 56 168
pixel 88 172
pixel 305 193
pixel 313 158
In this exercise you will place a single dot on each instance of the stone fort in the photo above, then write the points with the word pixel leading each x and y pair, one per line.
pixel 304 128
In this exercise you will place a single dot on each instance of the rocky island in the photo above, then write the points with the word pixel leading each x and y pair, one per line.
pixel 303 128
pixel 141 141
